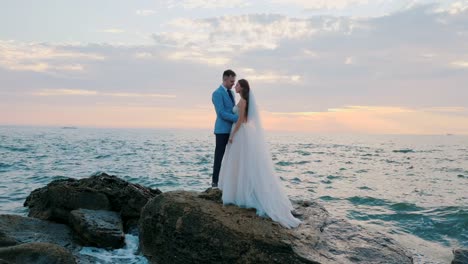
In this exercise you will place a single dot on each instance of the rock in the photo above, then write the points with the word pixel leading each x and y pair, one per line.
pixel 98 228
pixel 98 192
pixel 191 227
pixel 55 201
pixel 36 253
pixel 6 240
pixel 460 256
pixel 212 194
pixel 15 229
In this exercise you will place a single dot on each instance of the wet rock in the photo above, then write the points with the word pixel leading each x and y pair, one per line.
pixel 99 192
pixel 98 228
pixel 15 229
pixel 191 227
pixel 37 253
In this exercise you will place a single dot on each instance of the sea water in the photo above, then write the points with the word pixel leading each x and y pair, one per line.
pixel 412 188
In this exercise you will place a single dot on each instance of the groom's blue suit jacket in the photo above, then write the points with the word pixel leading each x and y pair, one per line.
pixel 224 115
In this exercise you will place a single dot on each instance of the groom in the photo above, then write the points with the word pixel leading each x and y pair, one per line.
pixel 223 101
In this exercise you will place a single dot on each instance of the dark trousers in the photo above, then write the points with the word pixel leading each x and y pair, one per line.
pixel 221 142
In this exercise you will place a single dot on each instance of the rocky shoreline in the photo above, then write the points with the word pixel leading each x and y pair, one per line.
pixel 71 214
pixel 180 227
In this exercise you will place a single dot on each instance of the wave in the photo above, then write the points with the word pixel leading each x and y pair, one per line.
pixel 103 156
pixel 366 200
pixel 289 163
pixel 296 180
pixel 328 198
pixel 454 170
pixel 362 171
pixel 15 149
pixel 318 152
pixel 127 254
pixel 5 165
pixel 326 181
pixel 332 177
pixel 303 153
pixel 404 151
pixel 203 161
pixel 440 224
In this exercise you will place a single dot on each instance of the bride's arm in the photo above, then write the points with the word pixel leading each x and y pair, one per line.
pixel 241 118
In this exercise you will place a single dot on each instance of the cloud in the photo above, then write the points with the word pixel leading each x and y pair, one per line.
pixel 33 50
pixel 145 12
pixel 207 4
pixel 323 4
pixel 78 92
pixel 447 109
pixel 143 55
pixel 403 74
pixel 40 57
pixel 352 109
pixel 217 41
pixel 269 77
pixel 44 67
pixel 234 33
pixel 370 120
pixel 198 57
pixel 55 92
pixel 349 60
pixel 460 64
pixel 455 8
pixel 140 95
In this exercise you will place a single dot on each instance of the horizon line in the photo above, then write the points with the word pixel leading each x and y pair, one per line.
pixel 210 129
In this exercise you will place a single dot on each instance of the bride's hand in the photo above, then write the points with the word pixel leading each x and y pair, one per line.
pixel 230 140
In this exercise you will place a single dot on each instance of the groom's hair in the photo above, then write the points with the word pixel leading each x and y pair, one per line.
pixel 229 73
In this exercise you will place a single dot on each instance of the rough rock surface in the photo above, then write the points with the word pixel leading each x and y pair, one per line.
pixel 98 228
pixel 37 253
pixel 191 227
pixel 99 192
pixel 15 229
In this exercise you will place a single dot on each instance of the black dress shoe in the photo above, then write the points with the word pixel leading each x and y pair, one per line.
pixel 214 185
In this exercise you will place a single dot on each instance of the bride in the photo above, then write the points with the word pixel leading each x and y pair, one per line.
pixel 247 175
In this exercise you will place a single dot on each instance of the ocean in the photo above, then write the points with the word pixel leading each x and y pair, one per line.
pixel 412 188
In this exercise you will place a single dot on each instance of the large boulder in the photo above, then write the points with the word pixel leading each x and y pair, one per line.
pixel 37 253
pixel 460 256
pixel 191 227
pixel 98 228
pixel 99 192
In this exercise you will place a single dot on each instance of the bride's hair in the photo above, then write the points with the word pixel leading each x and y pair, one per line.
pixel 245 93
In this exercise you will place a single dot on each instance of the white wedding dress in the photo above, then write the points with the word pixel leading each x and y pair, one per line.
pixel 247 176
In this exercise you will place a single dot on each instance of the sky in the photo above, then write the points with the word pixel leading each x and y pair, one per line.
pixel 319 66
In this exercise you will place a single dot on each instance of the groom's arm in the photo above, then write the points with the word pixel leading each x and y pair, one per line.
pixel 220 111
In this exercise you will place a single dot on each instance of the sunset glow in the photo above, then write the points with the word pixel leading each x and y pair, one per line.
pixel 382 67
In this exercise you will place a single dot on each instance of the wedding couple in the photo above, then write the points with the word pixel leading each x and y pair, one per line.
pixel 242 162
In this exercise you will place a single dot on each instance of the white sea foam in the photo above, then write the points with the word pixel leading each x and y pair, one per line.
pixel 126 255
